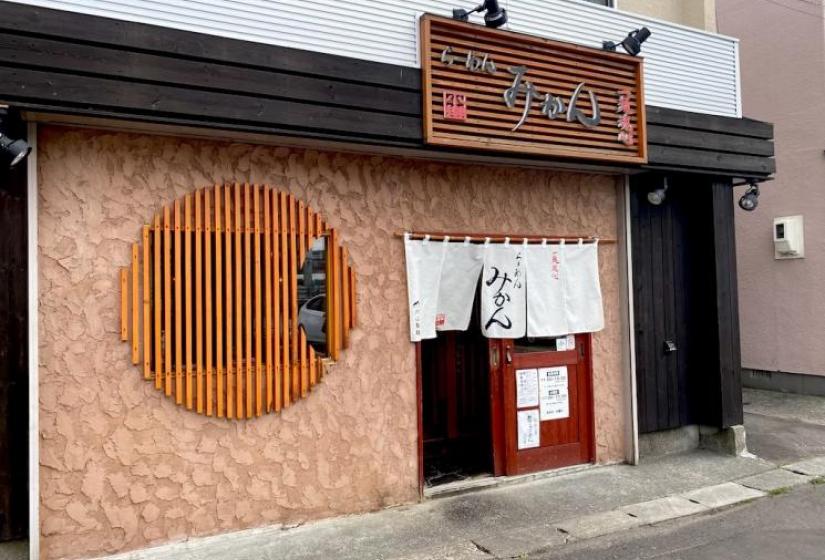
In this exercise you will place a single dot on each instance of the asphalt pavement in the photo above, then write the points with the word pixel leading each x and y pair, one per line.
pixel 787 526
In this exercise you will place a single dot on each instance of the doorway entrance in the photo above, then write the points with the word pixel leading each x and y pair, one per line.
pixel 474 412
pixel 455 383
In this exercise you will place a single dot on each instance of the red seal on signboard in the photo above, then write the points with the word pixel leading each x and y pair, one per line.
pixel 624 110
pixel 455 106
pixel 440 320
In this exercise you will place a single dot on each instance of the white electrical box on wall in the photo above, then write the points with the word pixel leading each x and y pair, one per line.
pixel 788 238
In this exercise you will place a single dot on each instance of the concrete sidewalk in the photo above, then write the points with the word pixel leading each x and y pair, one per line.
pixel 507 521
pixel 784 427
pixel 531 515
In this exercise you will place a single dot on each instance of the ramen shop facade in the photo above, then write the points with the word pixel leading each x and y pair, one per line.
pixel 277 282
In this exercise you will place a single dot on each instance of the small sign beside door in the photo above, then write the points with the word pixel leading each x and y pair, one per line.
pixel 554 398
pixel 529 429
pixel 527 388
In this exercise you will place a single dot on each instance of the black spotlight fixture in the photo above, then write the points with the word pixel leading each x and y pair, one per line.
pixel 750 200
pixel 494 16
pixel 657 196
pixel 632 43
pixel 13 152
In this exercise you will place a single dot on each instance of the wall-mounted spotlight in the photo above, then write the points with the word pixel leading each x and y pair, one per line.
pixel 632 43
pixel 750 200
pixel 657 196
pixel 494 15
pixel 13 152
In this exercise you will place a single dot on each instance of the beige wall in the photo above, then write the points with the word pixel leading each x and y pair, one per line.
pixel 123 467
pixel 782 303
pixel 695 13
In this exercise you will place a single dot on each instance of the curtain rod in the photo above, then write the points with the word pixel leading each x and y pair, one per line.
pixel 514 238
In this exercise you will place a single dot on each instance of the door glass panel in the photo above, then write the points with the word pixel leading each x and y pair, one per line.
pixel 541 344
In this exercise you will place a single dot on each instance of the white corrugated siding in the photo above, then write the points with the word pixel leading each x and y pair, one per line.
pixel 684 68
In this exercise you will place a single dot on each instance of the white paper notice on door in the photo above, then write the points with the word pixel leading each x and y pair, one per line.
pixel 554 401
pixel 528 428
pixel 527 388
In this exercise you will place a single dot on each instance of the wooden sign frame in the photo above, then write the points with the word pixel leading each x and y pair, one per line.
pixel 468 70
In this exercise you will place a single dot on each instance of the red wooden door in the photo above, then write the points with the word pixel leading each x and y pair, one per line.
pixel 564 432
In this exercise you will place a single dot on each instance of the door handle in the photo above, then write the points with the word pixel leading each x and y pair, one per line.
pixel 670 346
pixel 508 356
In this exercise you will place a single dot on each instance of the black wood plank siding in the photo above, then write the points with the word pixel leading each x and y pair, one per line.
pixel 65 62
pixel 14 378
pixel 684 141
pixel 56 60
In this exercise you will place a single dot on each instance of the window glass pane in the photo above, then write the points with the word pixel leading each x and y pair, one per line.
pixel 312 309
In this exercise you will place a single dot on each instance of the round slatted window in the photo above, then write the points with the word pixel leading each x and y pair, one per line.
pixel 237 300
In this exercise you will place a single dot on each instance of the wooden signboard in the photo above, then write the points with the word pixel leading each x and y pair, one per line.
pixel 497 90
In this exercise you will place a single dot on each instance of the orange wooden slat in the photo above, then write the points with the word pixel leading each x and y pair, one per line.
pixel 167 299
pixel 336 290
pixel 157 291
pixel 187 267
pixel 353 299
pixel 345 300
pixel 256 209
pixel 267 207
pixel 303 363
pixel 247 210
pixel 135 310
pixel 238 304
pixel 302 341
pixel 199 301
pixel 276 299
pixel 330 292
pixel 124 304
pixel 220 391
pixel 207 300
pixel 312 367
pixel 147 306
pixel 293 297
pixel 286 366
pixel 311 233
pixel 310 227
pixel 302 232
pixel 178 280
pixel 230 304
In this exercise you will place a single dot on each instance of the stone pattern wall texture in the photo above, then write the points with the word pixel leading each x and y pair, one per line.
pixel 123 467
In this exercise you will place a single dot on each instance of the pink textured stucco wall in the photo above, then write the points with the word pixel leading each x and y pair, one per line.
pixel 781 307
pixel 123 467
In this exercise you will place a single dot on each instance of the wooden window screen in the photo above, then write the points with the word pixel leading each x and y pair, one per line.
pixel 209 302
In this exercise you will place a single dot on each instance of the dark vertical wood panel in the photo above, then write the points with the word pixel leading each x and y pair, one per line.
pixel 670 361
pixel 728 375
pixel 682 314
pixel 14 388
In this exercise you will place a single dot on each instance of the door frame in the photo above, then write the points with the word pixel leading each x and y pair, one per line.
pixel 34 359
